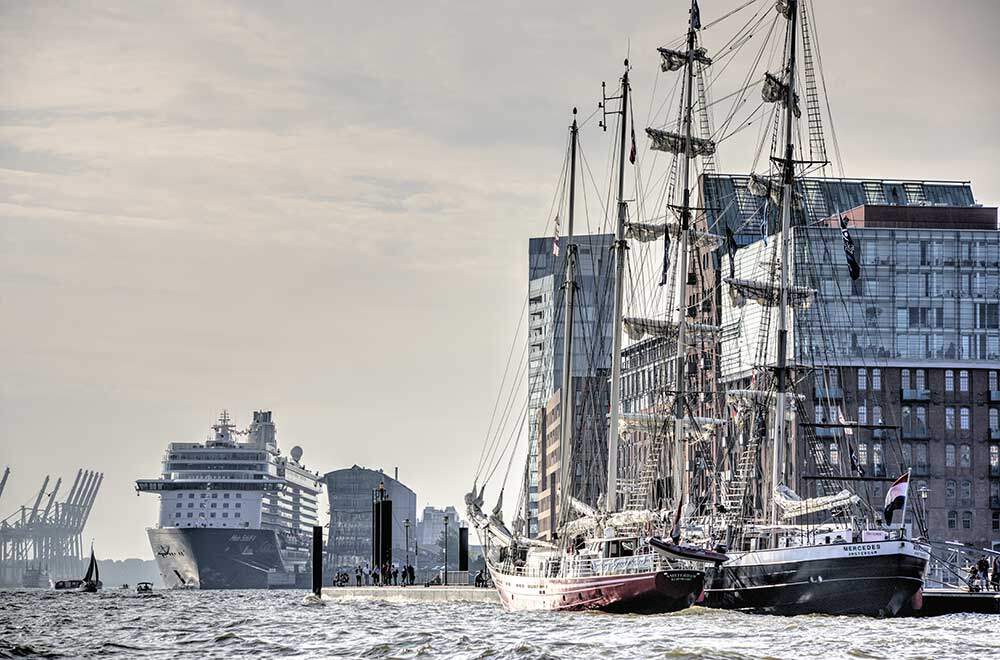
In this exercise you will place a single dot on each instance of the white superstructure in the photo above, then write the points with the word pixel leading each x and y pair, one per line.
pixel 230 481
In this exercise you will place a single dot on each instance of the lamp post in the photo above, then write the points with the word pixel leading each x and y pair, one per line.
pixel 924 491
pixel 446 551
pixel 406 525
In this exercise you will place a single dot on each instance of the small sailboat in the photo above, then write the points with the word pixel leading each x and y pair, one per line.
pixel 92 580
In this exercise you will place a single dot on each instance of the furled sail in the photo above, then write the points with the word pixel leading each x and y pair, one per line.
pixel 761 396
pixel 637 328
pixel 775 91
pixel 673 60
pixel 759 186
pixel 675 143
pixel 768 294
pixel 645 233
pixel 793 506
pixel 655 421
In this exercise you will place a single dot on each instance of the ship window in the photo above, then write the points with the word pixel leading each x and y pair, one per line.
pixel 966 520
pixel 952 519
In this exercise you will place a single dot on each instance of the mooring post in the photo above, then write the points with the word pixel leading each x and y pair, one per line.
pixel 317 560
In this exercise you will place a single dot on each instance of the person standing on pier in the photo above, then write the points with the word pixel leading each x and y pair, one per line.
pixel 984 573
pixel 996 573
pixel 357 574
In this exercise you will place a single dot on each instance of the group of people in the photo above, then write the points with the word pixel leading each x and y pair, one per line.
pixel 384 576
pixel 979 575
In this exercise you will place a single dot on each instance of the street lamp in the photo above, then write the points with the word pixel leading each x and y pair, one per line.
pixel 446 551
pixel 406 524
pixel 924 491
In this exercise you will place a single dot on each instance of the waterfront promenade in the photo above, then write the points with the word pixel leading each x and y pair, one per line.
pixel 435 594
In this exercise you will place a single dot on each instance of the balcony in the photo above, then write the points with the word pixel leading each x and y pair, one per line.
pixel 994 396
pixel 912 394
pixel 825 392
pixel 914 431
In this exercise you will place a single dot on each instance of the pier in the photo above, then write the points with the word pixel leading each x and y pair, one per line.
pixel 435 594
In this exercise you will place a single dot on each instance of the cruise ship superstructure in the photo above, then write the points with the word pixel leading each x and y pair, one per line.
pixel 234 512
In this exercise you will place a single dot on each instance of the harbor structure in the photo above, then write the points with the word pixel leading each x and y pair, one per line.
pixel 235 513
pixel 547 333
pixel 44 539
pixel 350 492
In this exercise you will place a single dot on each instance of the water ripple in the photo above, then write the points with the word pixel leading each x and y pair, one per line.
pixel 225 624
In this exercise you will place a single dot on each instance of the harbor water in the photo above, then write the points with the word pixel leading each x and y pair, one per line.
pixel 224 624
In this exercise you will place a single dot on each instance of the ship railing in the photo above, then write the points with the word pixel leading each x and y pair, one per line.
pixel 569 566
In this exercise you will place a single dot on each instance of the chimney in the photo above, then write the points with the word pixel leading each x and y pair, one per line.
pixel 397 473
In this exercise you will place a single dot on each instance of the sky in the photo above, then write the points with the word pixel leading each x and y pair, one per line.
pixel 322 209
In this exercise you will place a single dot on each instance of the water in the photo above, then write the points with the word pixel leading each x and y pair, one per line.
pixel 222 624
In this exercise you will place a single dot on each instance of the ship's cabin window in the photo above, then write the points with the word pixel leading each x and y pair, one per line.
pixel 620 548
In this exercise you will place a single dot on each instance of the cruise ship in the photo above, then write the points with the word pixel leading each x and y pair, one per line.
pixel 234 512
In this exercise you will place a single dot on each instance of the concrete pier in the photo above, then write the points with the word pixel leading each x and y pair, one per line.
pixel 437 594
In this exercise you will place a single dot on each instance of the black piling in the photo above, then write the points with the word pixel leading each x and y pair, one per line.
pixel 463 548
pixel 317 560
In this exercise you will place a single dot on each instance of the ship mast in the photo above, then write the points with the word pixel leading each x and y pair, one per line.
pixel 566 406
pixel 788 181
pixel 680 359
pixel 620 248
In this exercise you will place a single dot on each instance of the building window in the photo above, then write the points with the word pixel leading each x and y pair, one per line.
pixel 921 378
pixel 834 454
pixel 863 453
pixel 994 419
pixel 994 380
pixel 213 505
pixel 225 505
pixel 876 379
pixel 963 418
pixel 966 492
pixel 907 455
pixel 877 457
pixel 236 515
pixel 995 460
pixel 949 380
pixel 179 505
pixel 190 514
pixel 922 455
pixel 950 491
pixel 239 495
pixel 818 410
pixel 862 379
pixel 225 496
pixel 225 514
pixel 949 419
pixel 876 414
pixel 905 378
pixel 215 496
pixel 177 515
pixel 238 505
pixel 190 496
pixel 996 521
pixel 952 519
pixel 963 380
pixel 966 520
pixel 862 413
pixel 965 456
pixel 949 455
pixel 212 514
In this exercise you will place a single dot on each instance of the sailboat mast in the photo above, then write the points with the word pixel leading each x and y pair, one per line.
pixel 566 406
pixel 680 363
pixel 616 345
pixel 786 221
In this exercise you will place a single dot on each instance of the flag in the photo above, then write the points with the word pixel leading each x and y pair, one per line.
pixel 852 262
pixel 555 239
pixel 666 257
pixel 631 154
pixel 695 15
pixel 855 463
pixel 895 497
pixel 731 249
pixel 843 420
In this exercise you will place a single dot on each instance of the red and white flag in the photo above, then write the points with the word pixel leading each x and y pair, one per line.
pixel 895 497
pixel 843 420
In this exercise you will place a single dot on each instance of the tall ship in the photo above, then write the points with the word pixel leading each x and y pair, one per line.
pixel 235 513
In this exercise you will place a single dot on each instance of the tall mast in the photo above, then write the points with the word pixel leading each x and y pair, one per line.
pixel 566 408
pixel 616 345
pixel 680 360
pixel 786 221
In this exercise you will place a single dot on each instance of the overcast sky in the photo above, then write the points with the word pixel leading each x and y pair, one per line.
pixel 322 209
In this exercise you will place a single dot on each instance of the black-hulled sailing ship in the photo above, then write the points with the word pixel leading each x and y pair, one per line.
pixel 819 555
